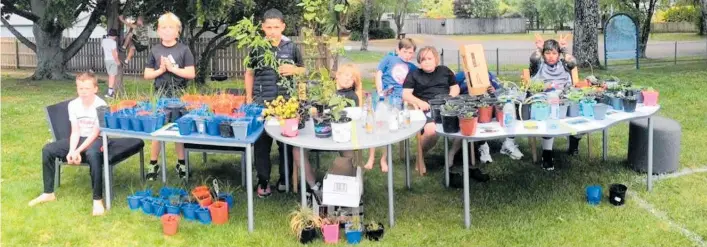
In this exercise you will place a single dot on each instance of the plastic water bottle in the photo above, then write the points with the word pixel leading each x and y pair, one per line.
pixel 382 111
pixel 405 116
pixel 394 119
pixel 509 115
pixel 554 101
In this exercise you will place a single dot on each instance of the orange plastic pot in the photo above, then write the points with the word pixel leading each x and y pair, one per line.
pixel 468 126
pixel 219 212
pixel 126 104
pixel 170 224
pixel 485 114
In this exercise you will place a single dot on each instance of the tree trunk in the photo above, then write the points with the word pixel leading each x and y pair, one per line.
pixel 50 56
pixel 585 41
pixel 366 24
pixel 704 17
pixel 646 28
pixel 112 14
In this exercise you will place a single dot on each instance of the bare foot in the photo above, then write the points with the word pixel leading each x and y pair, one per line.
pixel 44 197
pixel 384 165
pixel 98 208
pixel 421 168
pixel 450 158
pixel 369 164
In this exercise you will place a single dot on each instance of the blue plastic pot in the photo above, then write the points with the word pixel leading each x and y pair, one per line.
pixel 144 193
pixel 124 122
pixel 594 194
pixel 227 197
pixel 587 109
pixel 112 121
pixel 617 103
pixel 186 125
pixel 203 215
pixel 134 202
pixel 212 125
pixel 146 205
pixel 540 112
pixel 353 237
pixel 135 124
pixel 158 207
pixel 149 123
pixel 189 210
pixel 172 209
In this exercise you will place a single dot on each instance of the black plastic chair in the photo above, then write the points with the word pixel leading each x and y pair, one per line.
pixel 119 149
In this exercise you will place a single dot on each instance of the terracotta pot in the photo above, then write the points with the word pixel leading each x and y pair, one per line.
pixel 170 224
pixel 468 125
pixel 485 114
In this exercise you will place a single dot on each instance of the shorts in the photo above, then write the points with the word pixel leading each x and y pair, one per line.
pixel 139 46
pixel 428 115
pixel 111 67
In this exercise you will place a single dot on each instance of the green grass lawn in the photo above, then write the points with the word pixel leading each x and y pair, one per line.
pixel 548 35
pixel 521 205
pixel 364 56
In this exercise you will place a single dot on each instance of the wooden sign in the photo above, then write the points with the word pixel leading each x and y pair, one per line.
pixel 475 68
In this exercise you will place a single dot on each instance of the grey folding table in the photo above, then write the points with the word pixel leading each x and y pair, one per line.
pixel 359 140
pixel 169 134
pixel 557 128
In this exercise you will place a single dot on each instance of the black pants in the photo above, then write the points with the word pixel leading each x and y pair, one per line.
pixel 91 155
pixel 263 165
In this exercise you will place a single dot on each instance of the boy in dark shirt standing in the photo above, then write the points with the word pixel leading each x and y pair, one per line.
pixel 261 84
pixel 171 65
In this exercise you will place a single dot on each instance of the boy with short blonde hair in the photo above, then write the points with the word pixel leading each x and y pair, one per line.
pixel 81 145
pixel 171 65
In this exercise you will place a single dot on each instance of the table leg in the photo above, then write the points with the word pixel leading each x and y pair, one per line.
pixel 303 189
pixel 106 171
pixel 391 210
pixel 446 162
pixel 164 162
pixel 605 144
pixel 465 168
pixel 650 155
pixel 533 149
pixel 287 170
pixel 407 162
pixel 249 184
pixel 472 155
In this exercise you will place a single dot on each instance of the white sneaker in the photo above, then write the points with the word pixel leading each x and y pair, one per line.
pixel 485 153
pixel 511 149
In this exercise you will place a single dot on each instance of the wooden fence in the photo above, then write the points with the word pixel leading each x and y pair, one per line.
pixel 464 26
pixel 674 27
pixel 227 61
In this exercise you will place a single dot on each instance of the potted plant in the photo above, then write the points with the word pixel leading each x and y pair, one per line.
pixel 524 110
pixel 330 229
pixel 174 204
pixel 650 97
pixel 219 212
pixel 630 103
pixel 574 97
pixel 285 111
pixel 599 111
pixel 322 121
pixel 468 121
pixel 586 106
pixel 450 118
pixel 155 118
pixel 485 112
pixel 540 110
pixel 170 224
pixel 436 109
pixel 304 224
pixel 374 231
pixel 354 231
pixel 341 124
pixel 158 207
pixel 146 205
pixel 615 99
pixel 203 215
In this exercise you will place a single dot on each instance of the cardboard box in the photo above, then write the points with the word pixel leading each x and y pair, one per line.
pixel 342 191
pixel 475 68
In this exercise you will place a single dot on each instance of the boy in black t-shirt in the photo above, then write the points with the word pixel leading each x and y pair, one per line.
pixel 423 84
pixel 261 85
pixel 171 65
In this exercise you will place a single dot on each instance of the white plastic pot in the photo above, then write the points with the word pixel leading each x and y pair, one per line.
pixel 341 132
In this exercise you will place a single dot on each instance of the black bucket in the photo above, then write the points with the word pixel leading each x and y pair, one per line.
pixel 617 194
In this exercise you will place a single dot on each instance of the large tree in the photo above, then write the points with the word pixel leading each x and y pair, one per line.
pixel 50 19
pixel 586 34
pixel 402 8
pixel 367 5
pixel 476 8
pixel 556 12
pixel 703 6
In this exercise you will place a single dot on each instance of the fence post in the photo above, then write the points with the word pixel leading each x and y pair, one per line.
pixel 498 64
pixel 675 58
pixel 441 57
pixel 17 54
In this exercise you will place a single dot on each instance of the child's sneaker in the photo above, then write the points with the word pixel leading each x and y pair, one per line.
pixel 281 187
pixel 485 153
pixel 511 149
pixel 263 189
pixel 548 163
pixel 152 172
pixel 181 170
